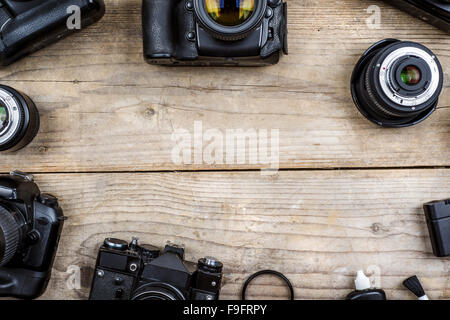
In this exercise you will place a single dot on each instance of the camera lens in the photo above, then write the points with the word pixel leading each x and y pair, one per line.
pixel 397 83
pixel 9 235
pixel 230 12
pixel 229 20
pixel 19 119
pixel 157 291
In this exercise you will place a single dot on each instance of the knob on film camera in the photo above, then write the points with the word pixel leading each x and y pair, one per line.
pixel 30 227
pixel 142 272
pixel 214 32
pixel 29 25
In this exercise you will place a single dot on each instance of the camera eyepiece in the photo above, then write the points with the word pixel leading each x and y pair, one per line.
pixel 230 20
pixel 19 119
pixel 397 83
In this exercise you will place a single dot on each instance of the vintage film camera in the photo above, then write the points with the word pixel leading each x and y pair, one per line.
pixel 142 272
pixel 435 12
pixel 30 227
pixel 214 32
pixel 29 25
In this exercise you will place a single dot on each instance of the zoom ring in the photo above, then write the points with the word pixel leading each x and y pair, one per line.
pixel 9 237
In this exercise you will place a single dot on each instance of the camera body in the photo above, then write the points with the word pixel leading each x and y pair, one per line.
pixel 142 272
pixel 27 26
pixel 181 32
pixel 435 12
pixel 30 227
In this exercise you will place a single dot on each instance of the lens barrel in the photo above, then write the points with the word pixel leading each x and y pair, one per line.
pixel 397 83
pixel 229 31
pixel 9 236
pixel 19 119
pixel 157 291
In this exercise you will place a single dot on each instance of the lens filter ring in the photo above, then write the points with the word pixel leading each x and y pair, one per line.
pixel 229 31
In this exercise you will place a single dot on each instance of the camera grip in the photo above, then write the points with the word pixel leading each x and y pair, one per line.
pixel 22 283
pixel 158 28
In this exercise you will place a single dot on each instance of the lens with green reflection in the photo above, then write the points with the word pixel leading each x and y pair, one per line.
pixel 230 12
pixel 411 75
pixel 3 116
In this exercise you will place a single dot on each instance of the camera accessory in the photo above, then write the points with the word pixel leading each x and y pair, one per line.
pixel 19 119
pixel 438 220
pixel 364 290
pixel 214 32
pixel 27 26
pixel 413 285
pixel 397 83
pixel 435 12
pixel 268 272
pixel 142 272
pixel 30 227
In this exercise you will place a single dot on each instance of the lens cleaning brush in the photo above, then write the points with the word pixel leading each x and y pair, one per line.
pixel 413 284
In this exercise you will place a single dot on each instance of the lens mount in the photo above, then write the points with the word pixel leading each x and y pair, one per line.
pixel 396 90
pixel 397 83
pixel 230 32
pixel 20 122
pixel 157 291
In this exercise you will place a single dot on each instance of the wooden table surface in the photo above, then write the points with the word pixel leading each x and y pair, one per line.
pixel 348 195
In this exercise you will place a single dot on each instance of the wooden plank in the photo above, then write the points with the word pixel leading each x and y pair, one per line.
pixel 104 109
pixel 317 227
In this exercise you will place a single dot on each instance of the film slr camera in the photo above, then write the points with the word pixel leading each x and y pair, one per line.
pixel 28 25
pixel 214 32
pixel 30 227
pixel 142 272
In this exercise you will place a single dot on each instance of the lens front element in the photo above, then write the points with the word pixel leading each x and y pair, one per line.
pixel 230 12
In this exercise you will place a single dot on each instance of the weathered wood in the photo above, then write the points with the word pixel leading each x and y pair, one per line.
pixel 104 109
pixel 318 227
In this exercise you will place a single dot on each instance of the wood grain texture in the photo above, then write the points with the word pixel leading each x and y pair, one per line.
pixel 317 227
pixel 104 109
pixel 107 116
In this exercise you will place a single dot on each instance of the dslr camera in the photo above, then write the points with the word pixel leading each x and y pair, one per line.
pixel 29 25
pixel 30 227
pixel 142 272
pixel 435 12
pixel 214 32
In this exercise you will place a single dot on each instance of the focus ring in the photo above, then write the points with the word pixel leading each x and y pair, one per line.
pixel 374 100
pixel 9 236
